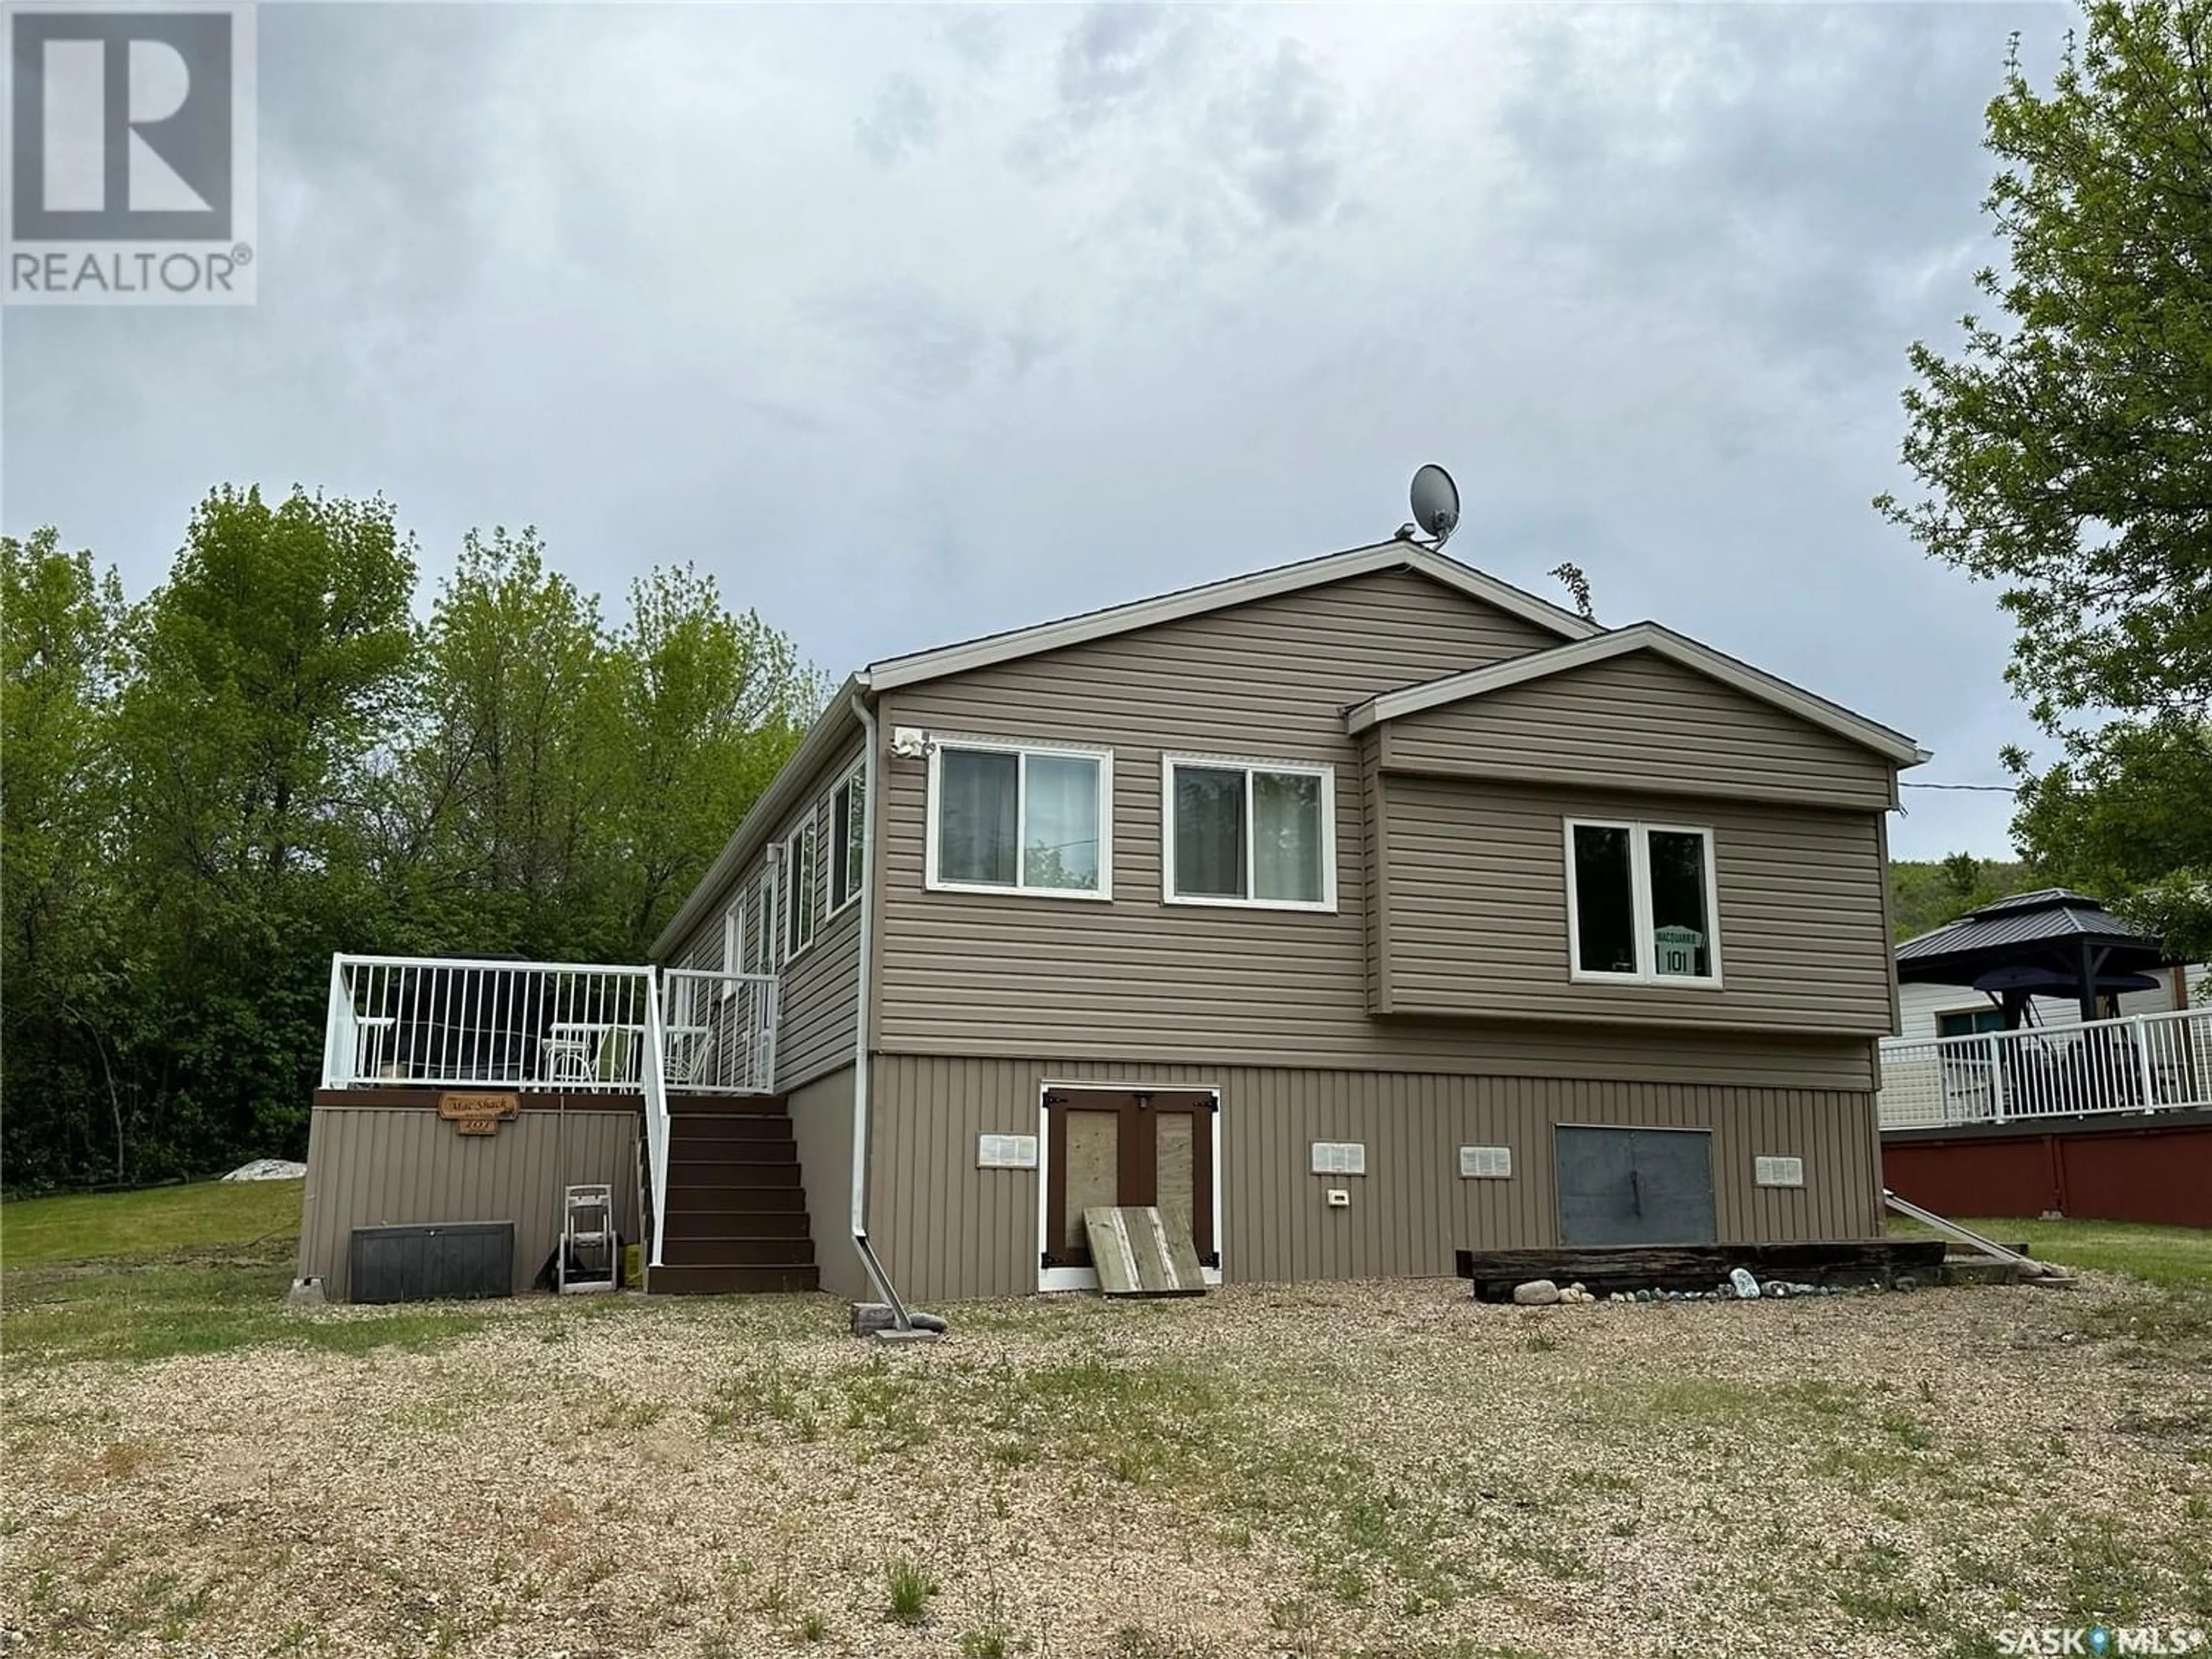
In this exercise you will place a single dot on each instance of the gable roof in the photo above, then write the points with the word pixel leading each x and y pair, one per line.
pixel 992 648
pixel 1596 647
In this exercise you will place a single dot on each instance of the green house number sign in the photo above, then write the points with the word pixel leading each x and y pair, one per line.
pixel 1678 950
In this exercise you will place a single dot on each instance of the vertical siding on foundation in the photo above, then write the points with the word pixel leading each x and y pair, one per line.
pixel 371 1166
pixel 822 1123
pixel 947 1229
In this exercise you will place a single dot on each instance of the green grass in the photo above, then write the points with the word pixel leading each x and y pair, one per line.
pixel 910 1591
pixel 89 1227
pixel 2172 1258
pixel 196 1302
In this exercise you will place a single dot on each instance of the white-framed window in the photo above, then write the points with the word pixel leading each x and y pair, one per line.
pixel 765 930
pixel 1258 833
pixel 848 817
pixel 801 866
pixel 1643 906
pixel 1020 818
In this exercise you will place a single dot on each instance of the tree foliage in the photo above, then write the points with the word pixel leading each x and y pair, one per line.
pixel 2066 450
pixel 1926 894
pixel 271 758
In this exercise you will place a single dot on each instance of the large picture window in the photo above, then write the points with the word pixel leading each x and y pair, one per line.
pixel 1007 818
pixel 1249 832
pixel 1641 903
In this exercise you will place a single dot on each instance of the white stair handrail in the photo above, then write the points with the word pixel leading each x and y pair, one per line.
pixel 656 1129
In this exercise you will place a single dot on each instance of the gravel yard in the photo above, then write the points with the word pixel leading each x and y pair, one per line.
pixel 1361 1468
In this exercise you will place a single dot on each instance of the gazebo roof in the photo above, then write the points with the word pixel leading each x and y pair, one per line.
pixel 2047 927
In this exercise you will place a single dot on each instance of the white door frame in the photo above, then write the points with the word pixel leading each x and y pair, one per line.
pixel 1086 1279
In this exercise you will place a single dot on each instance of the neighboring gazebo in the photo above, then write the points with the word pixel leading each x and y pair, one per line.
pixel 2053 942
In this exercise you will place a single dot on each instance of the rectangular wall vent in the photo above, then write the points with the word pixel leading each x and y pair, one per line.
pixel 1485 1163
pixel 1339 1157
pixel 1778 1171
pixel 1005 1151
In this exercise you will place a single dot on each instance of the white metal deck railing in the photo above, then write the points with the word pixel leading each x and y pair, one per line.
pixel 2143 1062
pixel 571 1027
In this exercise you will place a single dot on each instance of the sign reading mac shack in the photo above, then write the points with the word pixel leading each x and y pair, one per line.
pixel 477 1114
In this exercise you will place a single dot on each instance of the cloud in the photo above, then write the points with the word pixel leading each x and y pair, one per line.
pixel 903 120
pixel 1277 135
pixel 914 323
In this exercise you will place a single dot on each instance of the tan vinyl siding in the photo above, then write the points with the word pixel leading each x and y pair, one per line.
pixel 966 973
pixel 1374 863
pixel 822 1124
pixel 948 1230
pixel 1640 721
pixel 818 990
pixel 1478 919
pixel 373 1166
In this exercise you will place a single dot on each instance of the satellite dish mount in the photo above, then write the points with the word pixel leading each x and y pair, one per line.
pixel 1436 503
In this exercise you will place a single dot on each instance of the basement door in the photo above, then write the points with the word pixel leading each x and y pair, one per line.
pixel 1635 1186
pixel 1125 1147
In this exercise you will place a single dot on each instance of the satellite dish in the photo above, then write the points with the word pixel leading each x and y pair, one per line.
pixel 1435 502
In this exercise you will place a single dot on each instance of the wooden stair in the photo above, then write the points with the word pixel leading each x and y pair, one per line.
pixel 737 1208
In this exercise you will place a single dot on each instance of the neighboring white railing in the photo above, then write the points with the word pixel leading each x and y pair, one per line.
pixel 2143 1062
pixel 720 1030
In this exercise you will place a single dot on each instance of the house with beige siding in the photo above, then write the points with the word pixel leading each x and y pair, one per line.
pixel 1353 912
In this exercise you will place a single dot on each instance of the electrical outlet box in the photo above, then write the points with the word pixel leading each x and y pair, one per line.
pixel 1338 1199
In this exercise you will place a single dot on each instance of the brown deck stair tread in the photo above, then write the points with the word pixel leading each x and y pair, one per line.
pixel 737 1219
pixel 732 1280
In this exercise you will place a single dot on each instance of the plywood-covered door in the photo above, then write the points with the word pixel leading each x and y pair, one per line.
pixel 1123 1147
pixel 1635 1186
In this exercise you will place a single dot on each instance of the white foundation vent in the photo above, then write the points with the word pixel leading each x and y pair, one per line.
pixel 1005 1151
pixel 1339 1157
pixel 1485 1163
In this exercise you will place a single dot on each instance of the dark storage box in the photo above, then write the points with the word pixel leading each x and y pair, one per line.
pixel 447 1260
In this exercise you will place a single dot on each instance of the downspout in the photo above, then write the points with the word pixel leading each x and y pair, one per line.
pixel 862 1104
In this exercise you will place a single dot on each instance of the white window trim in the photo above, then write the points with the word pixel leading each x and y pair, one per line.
pixel 1639 883
pixel 1104 894
pixel 786 919
pixel 1248 764
pixel 852 778
pixel 733 929
pixel 768 921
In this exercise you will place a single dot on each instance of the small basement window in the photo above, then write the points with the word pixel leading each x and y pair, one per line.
pixel 1642 903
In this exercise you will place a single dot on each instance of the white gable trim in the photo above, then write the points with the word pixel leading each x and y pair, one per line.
pixel 994 649
pixel 1640 636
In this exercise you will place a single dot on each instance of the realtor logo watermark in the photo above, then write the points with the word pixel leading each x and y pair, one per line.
pixel 131 137
pixel 2102 1641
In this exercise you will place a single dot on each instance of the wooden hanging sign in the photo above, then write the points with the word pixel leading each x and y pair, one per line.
pixel 477 1113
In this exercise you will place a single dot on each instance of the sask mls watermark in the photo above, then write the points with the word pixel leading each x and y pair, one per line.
pixel 131 177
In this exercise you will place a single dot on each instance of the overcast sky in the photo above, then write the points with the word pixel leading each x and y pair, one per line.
pixel 911 323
